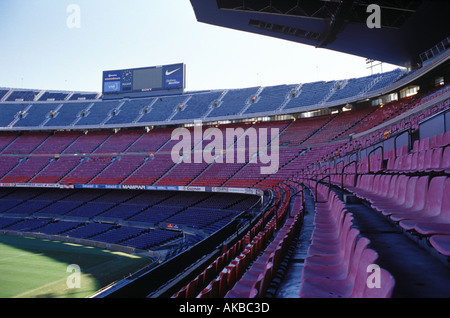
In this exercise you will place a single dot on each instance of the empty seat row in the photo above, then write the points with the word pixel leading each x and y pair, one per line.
pixel 216 103
pixel 431 154
pixel 224 272
pixel 204 279
pixel 226 279
pixel 237 279
pixel 255 281
pixel 419 204
pixel 338 256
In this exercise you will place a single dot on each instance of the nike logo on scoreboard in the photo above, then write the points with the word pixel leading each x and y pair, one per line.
pixel 171 72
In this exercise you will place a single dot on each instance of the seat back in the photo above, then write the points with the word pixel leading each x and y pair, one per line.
pixel 409 196
pixel 401 189
pixel 444 216
pixel 392 186
pixel 445 163
pixel 386 288
pixel 435 196
pixel 361 245
pixel 420 193
pixel 368 257
pixel 436 158
pixel 386 182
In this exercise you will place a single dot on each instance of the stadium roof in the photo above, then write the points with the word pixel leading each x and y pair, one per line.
pixel 408 27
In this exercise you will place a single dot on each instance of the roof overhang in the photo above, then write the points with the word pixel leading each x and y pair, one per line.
pixel 408 28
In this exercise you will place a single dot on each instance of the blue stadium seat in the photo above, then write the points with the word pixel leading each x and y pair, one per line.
pixel 129 111
pixel 271 98
pixel 162 108
pixel 197 106
pixel 97 113
pixel 67 114
pixel 310 94
pixel 36 115
pixel 9 112
pixel 233 102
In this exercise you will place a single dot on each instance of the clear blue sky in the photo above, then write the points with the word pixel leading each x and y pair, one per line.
pixel 40 51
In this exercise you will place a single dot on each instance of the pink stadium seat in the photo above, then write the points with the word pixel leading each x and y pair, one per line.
pixel 331 231
pixel 368 183
pixel 333 266
pixel 191 289
pixel 232 276
pixel 432 159
pixel 328 214
pixel 406 163
pixel 223 282
pixel 253 275
pixel 421 159
pixel 211 291
pixel 387 284
pixel 331 234
pixel 416 146
pixel 368 258
pixel 439 224
pixel 181 293
pixel 424 144
pixel 329 288
pixel 429 228
pixel 441 243
pixel 414 161
pixel 381 190
pixel 445 163
pixel 403 150
pixel 246 288
pixel 409 200
pixel 398 197
pixel 390 192
pixel 437 141
pixel 432 206
pixel 446 139
pixel 433 141
pixel 209 273
pixel 268 276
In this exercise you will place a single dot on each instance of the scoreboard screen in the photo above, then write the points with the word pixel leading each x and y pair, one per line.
pixel 145 79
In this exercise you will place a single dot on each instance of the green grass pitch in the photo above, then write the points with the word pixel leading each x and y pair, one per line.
pixel 33 268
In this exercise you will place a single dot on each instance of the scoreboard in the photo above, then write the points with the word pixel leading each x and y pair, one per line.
pixel 146 79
